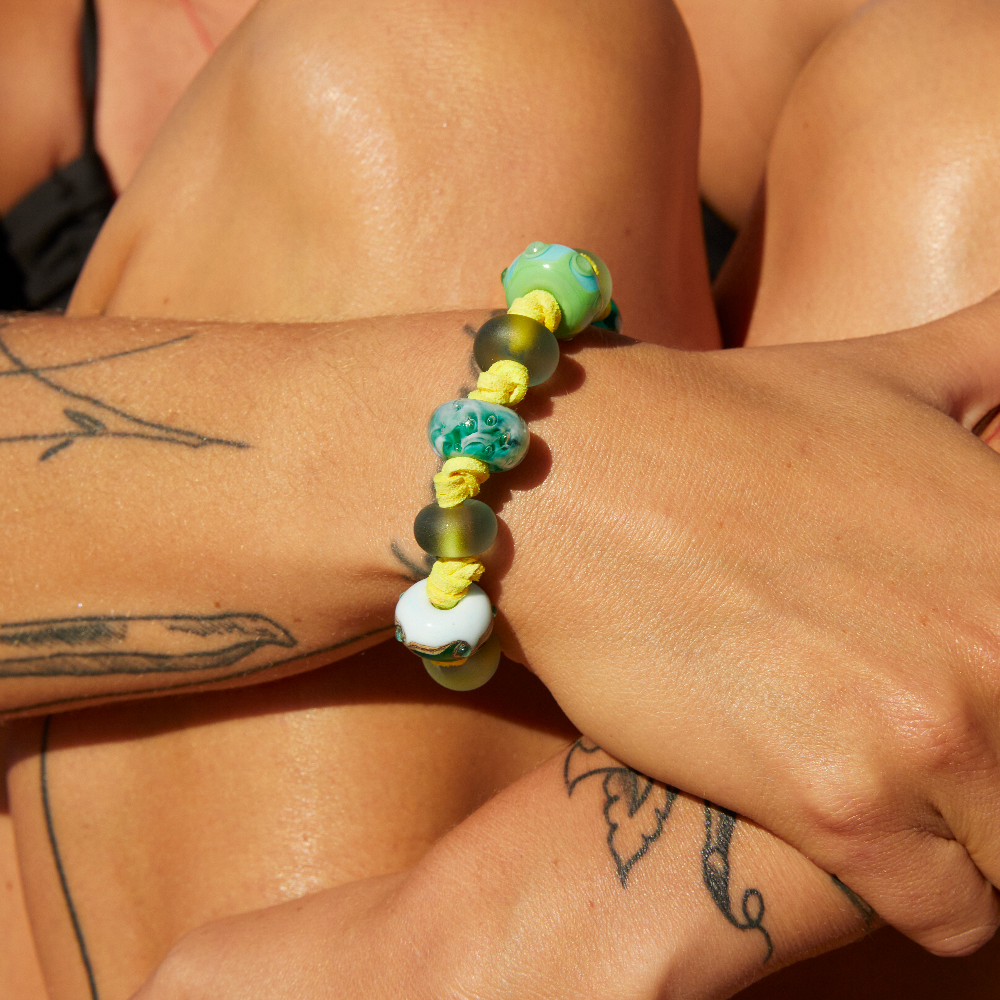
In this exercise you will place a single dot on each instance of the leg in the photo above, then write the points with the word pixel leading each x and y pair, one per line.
pixel 413 152
pixel 19 969
pixel 882 192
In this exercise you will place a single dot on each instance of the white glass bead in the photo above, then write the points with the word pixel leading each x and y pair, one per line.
pixel 474 673
pixel 444 636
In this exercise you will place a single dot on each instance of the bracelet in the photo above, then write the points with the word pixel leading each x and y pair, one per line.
pixel 553 292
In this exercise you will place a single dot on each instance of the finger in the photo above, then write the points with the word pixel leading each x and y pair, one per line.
pixel 937 896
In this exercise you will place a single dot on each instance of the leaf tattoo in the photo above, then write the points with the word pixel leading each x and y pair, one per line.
pixel 636 808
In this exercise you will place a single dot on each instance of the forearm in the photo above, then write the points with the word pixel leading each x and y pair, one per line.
pixel 586 879
pixel 192 502
pixel 583 879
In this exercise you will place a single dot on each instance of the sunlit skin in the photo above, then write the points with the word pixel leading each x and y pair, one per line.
pixel 359 768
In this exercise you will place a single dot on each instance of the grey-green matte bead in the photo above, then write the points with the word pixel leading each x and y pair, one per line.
pixel 517 338
pixel 453 532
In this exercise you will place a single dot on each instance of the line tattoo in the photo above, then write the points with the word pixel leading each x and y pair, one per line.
pixel 58 861
pixel 202 684
pixel 84 647
pixel 90 418
pixel 636 808
pixel 719 827
pixel 866 910
pixel 416 571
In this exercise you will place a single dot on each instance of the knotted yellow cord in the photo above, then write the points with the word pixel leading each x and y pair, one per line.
pixel 450 579
pixel 460 478
pixel 506 383
pixel 538 305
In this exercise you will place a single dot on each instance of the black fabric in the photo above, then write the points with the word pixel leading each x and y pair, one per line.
pixel 719 237
pixel 45 237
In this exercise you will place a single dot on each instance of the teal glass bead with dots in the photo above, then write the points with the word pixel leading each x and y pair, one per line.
pixel 517 338
pixel 566 274
pixel 492 433
pixel 467 529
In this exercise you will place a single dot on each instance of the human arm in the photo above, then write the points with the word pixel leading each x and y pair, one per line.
pixel 177 508
pixel 581 879
pixel 833 626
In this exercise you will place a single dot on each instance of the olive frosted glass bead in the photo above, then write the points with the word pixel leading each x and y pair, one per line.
pixel 453 532
pixel 472 674
pixel 492 433
pixel 566 274
pixel 517 338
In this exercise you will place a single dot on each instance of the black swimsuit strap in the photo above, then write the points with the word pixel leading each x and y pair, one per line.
pixel 88 64
pixel 46 236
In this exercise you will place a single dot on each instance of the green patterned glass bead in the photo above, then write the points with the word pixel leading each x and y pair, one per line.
pixel 472 674
pixel 521 339
pixel 492 433
pixel 563 272
pixel 603 279
pixel 613 320
pixel 454 532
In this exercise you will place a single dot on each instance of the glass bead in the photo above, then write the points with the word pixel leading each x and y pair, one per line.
pixel 603 279
pixel 563 272
pixel 613 320
pixel 438 635
pixel 453 532
pixel 472 674
pixel 517 338
pixel 492 433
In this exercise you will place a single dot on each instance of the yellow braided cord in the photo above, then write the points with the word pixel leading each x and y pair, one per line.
pixel 460 478
pixel 505 383
pixel 539 305
pixel 450 579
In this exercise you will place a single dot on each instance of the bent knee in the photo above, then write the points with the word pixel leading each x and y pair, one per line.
pixel 337 161
pixel 883 172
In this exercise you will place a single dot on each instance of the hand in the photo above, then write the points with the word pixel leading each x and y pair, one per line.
pixel 772 577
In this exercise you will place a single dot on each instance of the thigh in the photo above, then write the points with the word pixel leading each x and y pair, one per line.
pixel 20 973
pixel 140 822
pixel 749 55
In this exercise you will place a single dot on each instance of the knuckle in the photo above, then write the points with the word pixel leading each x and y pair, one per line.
pixel 845 802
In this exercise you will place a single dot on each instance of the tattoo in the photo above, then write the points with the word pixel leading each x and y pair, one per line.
pixel 45 789
pixel 866 910
pixel 719 827
pixel 57 859
pixel 83 647
pixel 188 686
pixel 636 808
pixel 416 571
pixel 90 418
